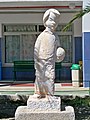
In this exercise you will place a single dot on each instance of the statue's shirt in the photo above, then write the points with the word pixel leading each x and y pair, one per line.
pixel 46 45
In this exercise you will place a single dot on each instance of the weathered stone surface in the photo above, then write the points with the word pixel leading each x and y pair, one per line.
pixel 23 113
pixel 44 104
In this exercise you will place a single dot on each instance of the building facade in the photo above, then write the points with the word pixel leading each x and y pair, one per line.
pixel 21 23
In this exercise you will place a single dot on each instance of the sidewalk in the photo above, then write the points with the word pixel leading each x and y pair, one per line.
pixel 28 89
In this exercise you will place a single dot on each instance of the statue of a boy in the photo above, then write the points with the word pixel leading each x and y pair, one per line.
pixel 45 55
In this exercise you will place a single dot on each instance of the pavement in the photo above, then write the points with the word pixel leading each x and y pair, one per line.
pixel 28 89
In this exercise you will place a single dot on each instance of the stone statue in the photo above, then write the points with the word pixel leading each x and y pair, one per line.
pixel 45 55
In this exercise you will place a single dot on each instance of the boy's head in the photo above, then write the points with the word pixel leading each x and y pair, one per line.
pixel 51 18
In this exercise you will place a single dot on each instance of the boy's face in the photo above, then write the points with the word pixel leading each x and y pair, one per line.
pixel 51 24
pixel 52 21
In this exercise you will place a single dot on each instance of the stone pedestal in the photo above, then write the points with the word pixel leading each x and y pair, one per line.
pixel 23 113
pixel 45 104
pixel 44 109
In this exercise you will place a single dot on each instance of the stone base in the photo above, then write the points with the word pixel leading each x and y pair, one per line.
pixel 44 109
pixel 44 104
pixel 23 113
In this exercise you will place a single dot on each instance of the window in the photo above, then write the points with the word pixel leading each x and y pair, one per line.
pixel 12 48
pixel 19 47
pixel 66 41
pixel 19 41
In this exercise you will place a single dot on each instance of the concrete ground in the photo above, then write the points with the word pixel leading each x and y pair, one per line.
pixel 29 89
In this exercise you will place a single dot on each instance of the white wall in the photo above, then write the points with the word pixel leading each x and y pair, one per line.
pixel 37 18
pixel 21 18
pixel 66 17
pixel 86 18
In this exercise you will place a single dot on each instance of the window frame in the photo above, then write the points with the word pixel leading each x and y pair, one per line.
pixel 21 33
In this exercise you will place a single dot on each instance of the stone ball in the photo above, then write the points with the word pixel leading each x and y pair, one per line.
pixel 60 54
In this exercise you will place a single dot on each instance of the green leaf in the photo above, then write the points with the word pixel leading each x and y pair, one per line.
pixel 77 16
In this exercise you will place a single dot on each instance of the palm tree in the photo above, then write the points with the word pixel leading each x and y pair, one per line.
pixel 77 16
